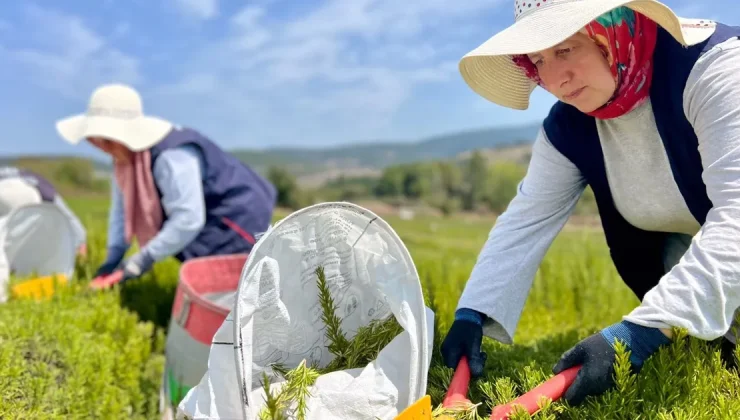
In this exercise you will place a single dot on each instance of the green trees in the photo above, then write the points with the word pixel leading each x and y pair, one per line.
pixel 475 184
pixel 472 184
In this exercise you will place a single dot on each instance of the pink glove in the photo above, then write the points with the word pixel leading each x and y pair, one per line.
pixel 102 282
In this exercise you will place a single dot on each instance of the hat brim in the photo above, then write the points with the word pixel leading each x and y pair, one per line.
pixel 137 134
pixel 490 72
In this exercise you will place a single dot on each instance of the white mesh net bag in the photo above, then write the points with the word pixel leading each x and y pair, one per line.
pixel 276 318
pixel 35 238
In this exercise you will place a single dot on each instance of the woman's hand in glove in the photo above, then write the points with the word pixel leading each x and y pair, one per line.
pixel 112 260
pixel 137 265
pixel 597 355
pixel 464 339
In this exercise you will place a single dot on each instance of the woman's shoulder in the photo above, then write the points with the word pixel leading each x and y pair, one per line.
pixel 722 55
pixel 713 77
pixel 184 158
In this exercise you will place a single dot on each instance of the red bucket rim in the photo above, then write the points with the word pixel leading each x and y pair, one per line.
pixel 185 284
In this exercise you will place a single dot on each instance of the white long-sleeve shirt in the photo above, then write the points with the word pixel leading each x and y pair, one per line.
pixel 701 292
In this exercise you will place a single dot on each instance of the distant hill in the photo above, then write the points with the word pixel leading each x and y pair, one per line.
pixel 315 165
pixel 40 160
pixel 375 156
pixel 69 174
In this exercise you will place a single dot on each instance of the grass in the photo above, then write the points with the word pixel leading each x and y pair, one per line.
pixel 576 292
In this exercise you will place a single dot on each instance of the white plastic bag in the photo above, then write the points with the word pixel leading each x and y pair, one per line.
pixel 35 238
pixel 277 318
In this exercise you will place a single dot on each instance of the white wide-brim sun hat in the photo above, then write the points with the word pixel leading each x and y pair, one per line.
pixel 540 24
pixel 115 112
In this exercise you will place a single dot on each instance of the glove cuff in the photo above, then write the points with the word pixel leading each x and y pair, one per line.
pixel 115 254
pixel 139 263
pixel 467 314
pixel 641 341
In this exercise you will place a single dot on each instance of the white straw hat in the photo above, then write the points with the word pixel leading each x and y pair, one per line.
pixel 541 24
pixel 115 112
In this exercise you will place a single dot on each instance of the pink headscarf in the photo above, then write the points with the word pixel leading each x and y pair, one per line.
pixel 142 209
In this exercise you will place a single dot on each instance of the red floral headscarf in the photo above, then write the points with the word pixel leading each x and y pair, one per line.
pixel 627 39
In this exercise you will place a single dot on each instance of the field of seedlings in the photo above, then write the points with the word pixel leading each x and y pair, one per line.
pixel 100 355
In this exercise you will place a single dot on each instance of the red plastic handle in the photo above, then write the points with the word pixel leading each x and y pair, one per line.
pixel 102 282
pixel 553 388
pixel 458 391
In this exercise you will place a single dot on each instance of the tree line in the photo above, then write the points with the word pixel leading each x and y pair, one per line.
pixel 472 185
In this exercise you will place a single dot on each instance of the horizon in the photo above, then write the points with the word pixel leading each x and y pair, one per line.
pixel 102 159
pixel 325 74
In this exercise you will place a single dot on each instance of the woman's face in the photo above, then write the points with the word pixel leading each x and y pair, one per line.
pixel 119 152
pixel 576 72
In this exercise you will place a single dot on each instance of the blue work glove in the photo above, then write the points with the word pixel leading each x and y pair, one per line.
pixel 112 260
pixel 464 339
pixel 137 265
pixel 596 354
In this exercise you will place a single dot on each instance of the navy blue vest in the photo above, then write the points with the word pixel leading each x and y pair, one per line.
pixel 46 190
pixel 239 202
pixel 638 254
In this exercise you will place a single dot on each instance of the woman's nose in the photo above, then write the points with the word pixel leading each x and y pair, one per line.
pixel 557 74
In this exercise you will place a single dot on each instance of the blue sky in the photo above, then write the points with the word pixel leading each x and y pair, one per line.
pixel 260 73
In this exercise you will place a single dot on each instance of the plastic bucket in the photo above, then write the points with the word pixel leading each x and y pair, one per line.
pixel 204 297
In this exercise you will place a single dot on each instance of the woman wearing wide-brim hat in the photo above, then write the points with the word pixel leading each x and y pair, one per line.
pixel 173 189
pixel 648 115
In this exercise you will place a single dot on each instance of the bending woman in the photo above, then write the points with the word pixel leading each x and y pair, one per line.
pixel 648 116
pixel 174 190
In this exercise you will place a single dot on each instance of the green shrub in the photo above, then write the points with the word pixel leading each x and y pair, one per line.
pixel 77 355
pixel 151 296
pixel 577 292
pixel 90 355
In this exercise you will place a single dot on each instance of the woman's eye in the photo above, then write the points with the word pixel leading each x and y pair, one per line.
pixel 563 51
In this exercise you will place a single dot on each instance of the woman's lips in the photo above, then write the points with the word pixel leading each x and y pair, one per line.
pixel 574 94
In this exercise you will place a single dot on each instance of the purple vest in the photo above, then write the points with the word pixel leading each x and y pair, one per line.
pixel 638 254
pixel 47 191
pixel 239 202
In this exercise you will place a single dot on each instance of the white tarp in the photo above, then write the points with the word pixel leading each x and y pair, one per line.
pixel 277 318
pixel 35 238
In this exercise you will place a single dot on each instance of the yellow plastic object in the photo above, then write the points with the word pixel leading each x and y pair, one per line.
pixel 420 410
pixel 40 287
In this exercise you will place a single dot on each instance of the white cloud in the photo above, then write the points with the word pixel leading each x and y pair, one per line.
pixel 192 84
pixel 121 30
pixel 414 53
pixel 248 34
pixel 376 18
pixel 358 61
pixel 69 57
pixel 201 9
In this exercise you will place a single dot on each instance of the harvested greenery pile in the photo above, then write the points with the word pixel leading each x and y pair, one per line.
pixel 290 401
